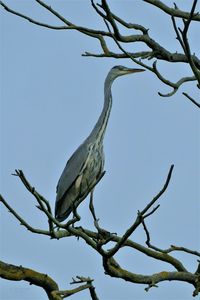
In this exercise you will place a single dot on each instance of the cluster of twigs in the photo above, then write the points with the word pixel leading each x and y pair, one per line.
pixel 99 238
pixel 156 51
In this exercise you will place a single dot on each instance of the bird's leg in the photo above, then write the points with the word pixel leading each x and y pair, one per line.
pixel 91 206
pixel 76 216
pixel 104 235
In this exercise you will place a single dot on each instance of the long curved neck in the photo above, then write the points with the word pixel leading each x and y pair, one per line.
pixel 99 129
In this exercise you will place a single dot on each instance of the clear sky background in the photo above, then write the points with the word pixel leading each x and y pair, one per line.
pixel 51 97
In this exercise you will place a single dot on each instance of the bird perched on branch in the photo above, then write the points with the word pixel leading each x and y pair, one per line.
pixel 85 167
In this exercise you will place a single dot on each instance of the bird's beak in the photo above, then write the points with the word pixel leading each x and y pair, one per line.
pixel 135 70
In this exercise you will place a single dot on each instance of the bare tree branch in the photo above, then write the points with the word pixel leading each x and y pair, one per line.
pixel 89 281
pixel 138 220
pixel 171 249
pixel 172 11
pixel 97 239
pixel 183 249
pixel 21 220
pixel 119 20
pixel 102 237
pixel 8 9
pixel 70 26
pixel 191 99
pixel 184 41
pixel 156 50
pixel 153 69
pixel 113 269
pixel 87 31
pixel 44 205
pixel 19 273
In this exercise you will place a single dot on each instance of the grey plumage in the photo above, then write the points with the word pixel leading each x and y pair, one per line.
pixel 84 169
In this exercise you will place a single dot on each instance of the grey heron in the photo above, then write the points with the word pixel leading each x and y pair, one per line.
pixel 85 167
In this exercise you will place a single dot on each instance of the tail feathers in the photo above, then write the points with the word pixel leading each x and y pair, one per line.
pixel 62 217
pixel 62 209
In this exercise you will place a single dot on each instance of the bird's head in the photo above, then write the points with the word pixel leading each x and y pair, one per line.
pixel 121 70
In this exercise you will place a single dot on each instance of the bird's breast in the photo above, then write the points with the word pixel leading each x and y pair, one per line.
pixel 92 168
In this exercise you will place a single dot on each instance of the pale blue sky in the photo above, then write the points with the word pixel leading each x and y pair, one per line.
pixel 51 97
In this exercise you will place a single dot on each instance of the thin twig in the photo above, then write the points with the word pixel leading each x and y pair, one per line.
pixel 161 191
pixel 171 249
pixel 8 9
pixel 40 199
pixel 148 240
pixel 21 220
pixel 191 99
pixel 151 212
pixel 138 220
pixel 89 281
pixel 183 40
pixel 183 249
pixel 87 31
pixel 68 293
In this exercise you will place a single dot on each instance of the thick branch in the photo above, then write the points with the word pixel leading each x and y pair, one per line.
pixel 172 11
pixel 18 273
pixel 113 269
